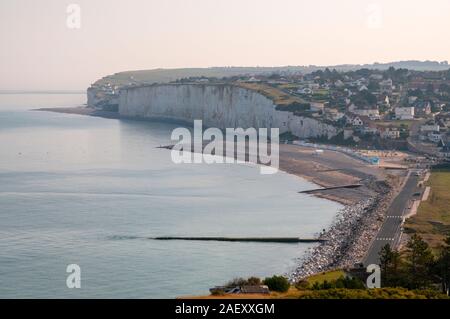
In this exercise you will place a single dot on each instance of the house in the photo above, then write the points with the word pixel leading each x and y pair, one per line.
pixel 377 77
pixel 367 130
pixel 253 79
pixel 404 113
pixel 445 151
pixel 372 114
pixel 386 86
pixel 339 84
pixel 307 91
pixel 356 121
pixel 422 108
pixel 348 133
pixel 390 133
pixel 430 128
pixel 314 86
pixel 363 88
pixel 434 137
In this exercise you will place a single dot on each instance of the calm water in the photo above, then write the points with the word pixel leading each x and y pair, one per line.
pixel 85 190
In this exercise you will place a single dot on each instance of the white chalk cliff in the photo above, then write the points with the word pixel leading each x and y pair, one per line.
pixel 221 106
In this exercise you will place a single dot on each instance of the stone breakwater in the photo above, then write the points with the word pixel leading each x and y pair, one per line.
pixel 347 240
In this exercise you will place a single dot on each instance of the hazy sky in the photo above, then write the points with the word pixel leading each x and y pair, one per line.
pixel 39 51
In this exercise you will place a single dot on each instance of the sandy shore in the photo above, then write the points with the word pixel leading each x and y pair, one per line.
pixel 355 226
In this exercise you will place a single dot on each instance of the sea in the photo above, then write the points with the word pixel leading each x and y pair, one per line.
pixel 93 192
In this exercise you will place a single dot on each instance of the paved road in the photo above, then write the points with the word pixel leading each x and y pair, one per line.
pixel 391 228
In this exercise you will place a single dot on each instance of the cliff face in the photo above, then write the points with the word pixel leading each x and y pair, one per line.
pixel 219 106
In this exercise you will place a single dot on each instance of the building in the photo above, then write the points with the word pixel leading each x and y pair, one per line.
pixel 356 121
pixel 422 108
pixel 404 113
pixel 372 114
pixel 430 128
pixel 367 130
pixel 386 86
pixel 445 151
pixel 434 137
pixel 348 133
pixel 305 91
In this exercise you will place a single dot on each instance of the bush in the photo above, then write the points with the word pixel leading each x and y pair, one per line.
pixel 302 285
pixel 277 283
pixel 239 282
pixel 236 282
pixel 342 282
pixel 254 281
pixel 380 293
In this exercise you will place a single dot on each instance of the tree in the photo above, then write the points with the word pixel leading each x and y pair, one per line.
pixel 442 269
pixel 373 86
pixel 389 264
pixel 277 283
pixel 420 260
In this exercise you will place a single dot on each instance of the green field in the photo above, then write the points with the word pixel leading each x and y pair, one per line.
pixel 432 221
pixel 279 97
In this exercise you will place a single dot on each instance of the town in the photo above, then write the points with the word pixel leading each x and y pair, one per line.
pixel 395 109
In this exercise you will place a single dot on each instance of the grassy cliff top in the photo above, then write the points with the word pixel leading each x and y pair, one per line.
pixel 278 96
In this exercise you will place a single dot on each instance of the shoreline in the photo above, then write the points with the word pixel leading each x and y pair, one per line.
pixel 347 239
pixel 323 171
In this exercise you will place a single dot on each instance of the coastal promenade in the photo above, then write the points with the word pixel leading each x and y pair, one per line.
pixel 390 231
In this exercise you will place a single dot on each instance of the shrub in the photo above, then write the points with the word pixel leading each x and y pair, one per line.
pixel 342 282
pixel 381 293
pixel 238 282
pixel 254 281
pixel 277 283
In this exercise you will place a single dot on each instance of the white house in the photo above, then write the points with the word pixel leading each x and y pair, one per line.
pixel 339 84
pixel 357 121
pixel 363 88
pixel 371 113
pixel 430 128
pixel 370 130
pixel 305 91
pixel 404 113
